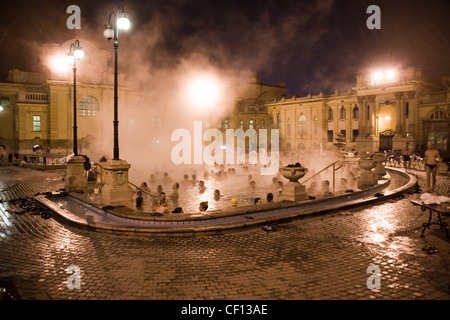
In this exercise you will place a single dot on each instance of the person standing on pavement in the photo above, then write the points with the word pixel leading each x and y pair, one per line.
pixel 431 160
pixel 406 152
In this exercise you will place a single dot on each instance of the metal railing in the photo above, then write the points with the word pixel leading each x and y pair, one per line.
pixel 334 172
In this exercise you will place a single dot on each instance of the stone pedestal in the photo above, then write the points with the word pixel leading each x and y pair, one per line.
pixel 116 191
pixel 367 177
pixel 293 191
pixel 75 179
pixel 380 170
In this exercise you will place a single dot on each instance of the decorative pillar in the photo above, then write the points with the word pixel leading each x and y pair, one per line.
pixel 75 179
pixel 116 191
pixel 398 116
pixel 372 115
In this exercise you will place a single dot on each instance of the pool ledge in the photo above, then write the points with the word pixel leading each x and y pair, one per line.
pixel 126 220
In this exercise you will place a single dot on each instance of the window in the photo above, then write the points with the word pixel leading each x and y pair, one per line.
pixel 330 135
pixel 262 124
pixel 250 124
pixel 279 120
pixel 301 126
pixel 355 112
pixel 36 123
pixel 355 134
pixel 226 123
pixel 288 128
pixel 438 115
pixel 241 124
pixel 407 109
pixel 88 107
pixel 271 122
pixel 4 102
pixel 219 125
pixel 342 113
pixel 330 114
pixel 156 122
pixel 344 133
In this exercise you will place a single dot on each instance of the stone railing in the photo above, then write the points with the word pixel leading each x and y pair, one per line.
pixel 30 97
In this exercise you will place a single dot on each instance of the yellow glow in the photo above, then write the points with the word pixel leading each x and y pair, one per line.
pixel 383 76
pixel 58 63
pixel 204 91
pixel 388 118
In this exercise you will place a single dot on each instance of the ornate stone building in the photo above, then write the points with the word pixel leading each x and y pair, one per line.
pixel 382 112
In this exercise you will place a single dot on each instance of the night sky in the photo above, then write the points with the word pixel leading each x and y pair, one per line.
pixel 312 46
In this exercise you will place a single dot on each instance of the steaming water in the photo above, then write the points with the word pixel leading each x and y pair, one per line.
pixel 235 185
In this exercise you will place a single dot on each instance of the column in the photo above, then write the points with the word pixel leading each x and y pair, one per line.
pixel 399 130
pixel 372 115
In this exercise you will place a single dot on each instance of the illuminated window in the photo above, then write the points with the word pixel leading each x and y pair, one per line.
pixel 88 107
pixel 250 124
pixel 226 123
pixel 241 124
pixel 36 123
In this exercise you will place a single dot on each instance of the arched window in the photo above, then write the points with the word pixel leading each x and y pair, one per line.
pixel 330 114
pixel 88 107
pixel 355 112
pixel 279 120
pixel 301 147
pixel 342 113
pixel 438 115
pixel 301 126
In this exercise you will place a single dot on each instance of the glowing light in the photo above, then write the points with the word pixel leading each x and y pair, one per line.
pixel 383 76
pixel 204 91
pixel 388 118
pixel 1 108
pixel 123 23
pixel 58 63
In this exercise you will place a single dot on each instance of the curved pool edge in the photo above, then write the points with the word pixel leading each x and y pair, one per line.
pixel 234 220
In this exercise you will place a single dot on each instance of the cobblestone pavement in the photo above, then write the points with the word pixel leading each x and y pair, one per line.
pixel 323 257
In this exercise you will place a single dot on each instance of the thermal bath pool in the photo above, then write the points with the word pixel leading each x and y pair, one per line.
pixel 220 215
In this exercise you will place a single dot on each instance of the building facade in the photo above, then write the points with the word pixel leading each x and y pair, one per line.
pixel 382 112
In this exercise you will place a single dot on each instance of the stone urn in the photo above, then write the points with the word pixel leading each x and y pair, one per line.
pixel 367 177
pixel 293 190
pixel 380 170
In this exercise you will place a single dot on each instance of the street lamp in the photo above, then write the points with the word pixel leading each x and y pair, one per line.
pixel 75 53
pixel 121 22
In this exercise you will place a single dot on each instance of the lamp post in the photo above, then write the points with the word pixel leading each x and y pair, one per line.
pixel 116 191
pixel 121 22
pixel 75 53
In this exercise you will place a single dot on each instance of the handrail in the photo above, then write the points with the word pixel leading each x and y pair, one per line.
pixel 141 189
pixel 334 170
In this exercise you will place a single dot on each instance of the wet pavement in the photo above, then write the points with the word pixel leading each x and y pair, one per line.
pixel 323 257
